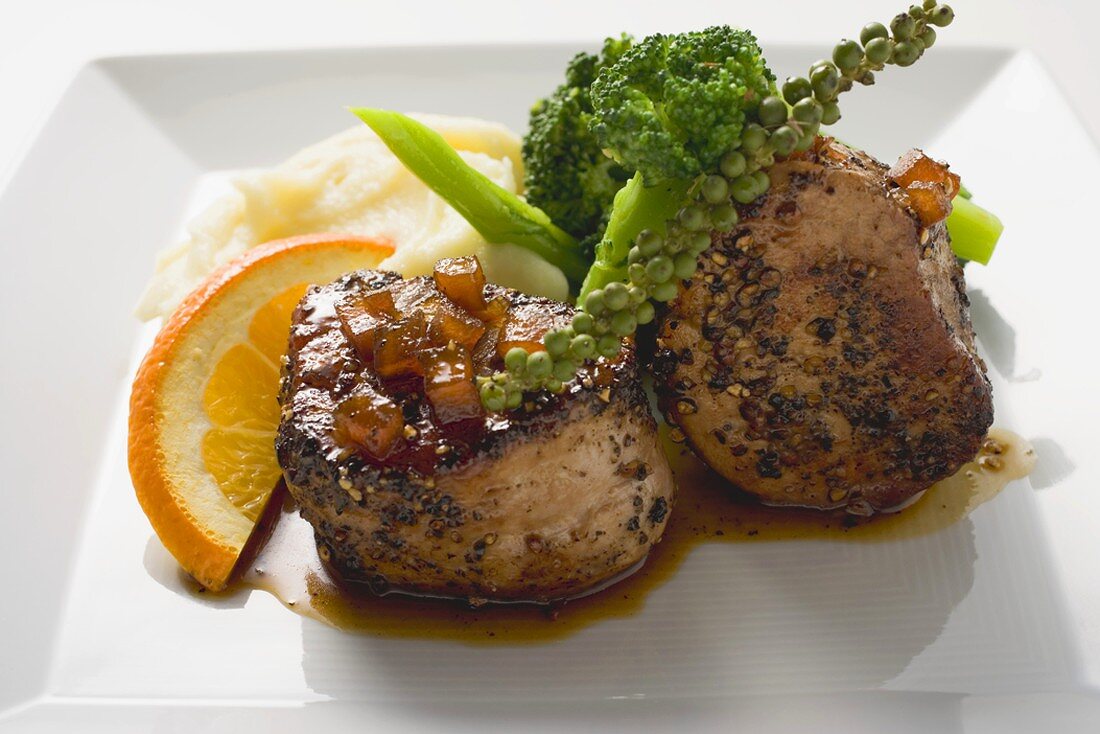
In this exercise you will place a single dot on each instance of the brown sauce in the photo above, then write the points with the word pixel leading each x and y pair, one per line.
pixel 288 567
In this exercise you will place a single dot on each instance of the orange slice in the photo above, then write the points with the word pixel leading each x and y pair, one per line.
pixel 203 411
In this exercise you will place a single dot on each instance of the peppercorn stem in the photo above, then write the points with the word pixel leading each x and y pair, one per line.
pixel 637 206
pixel 497 214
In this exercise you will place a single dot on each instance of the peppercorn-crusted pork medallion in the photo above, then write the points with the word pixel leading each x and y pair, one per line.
pixel 411 484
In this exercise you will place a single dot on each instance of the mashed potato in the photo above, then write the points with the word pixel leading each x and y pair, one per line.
pixel 352 184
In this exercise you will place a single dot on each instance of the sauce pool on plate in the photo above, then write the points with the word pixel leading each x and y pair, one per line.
pixel 287 565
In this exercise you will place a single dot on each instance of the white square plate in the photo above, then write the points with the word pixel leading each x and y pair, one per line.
pixel 992 624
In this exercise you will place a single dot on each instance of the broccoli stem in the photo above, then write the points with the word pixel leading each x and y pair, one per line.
pixel 974 231
pixel 498 215
pixel 637 206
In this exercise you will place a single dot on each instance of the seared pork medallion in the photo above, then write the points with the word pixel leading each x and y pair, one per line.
pixel 411 484
pixel 823 354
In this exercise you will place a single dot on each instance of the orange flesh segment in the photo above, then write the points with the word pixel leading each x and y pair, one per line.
pixel 204 409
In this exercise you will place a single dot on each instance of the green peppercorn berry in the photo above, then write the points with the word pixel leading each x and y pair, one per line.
pixel 903 27
pixel 674 244
pixel 761 181
pixel 783 140
pixel 915 40
pixel 659 269
pixel 916 12
pixel 603 324
pixel 593 302
pixel 664 292
pixel 872 31
pixel 636 272
pixel 513 400
pixel 796 88
pixel 557 341
pixel 634 255
pixel 723 217
pixel 743 189
pixel 649 243
pixel 733 164
pixel 539 365
pixel 830 113
pixel 826 82
pixel 564 370
pixel 615 296
pixel 805 140
pixel 878 51
pixel 905 53
pixel 772 112
pixel 941 16
pixel 623 323
pixel 808 110
pixel 698 242
pixel 582 323
pixel 516 360
pixel 928 36
pixel 847 55
pixel 715 189
pixel 609 346
pixel 753 137
pixel 493 396
pixel 583 346
pixel 929 4
pixel 684 265
pixel 692 218
pixel 636 295
pixel 645 312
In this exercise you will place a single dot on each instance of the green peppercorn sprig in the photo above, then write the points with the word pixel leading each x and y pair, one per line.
pixel 657 261
pixel 793 120
pixel 655 265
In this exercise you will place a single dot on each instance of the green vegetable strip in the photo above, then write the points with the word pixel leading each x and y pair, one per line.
pixel 500 216
pixel 974 231
pixel 637 207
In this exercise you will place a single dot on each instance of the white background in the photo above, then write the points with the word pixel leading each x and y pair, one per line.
pixel 44 42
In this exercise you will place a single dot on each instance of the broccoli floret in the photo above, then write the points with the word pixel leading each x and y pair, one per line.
pixel 669 109
pixel 671 106
pixel 568 176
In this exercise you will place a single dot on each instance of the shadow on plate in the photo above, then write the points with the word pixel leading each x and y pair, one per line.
pixel 1053 466
pixel 805 616
pixel 162 568
pixel 998 338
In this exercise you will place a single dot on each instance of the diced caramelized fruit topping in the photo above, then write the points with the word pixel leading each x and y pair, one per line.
pixel 449 385
pixel 460 328
pixel 524 327
pixel 462 280
pixel 422 344
pixel 361 315
pixel 397 347
pixel 930 184
pixel 371 421
pixel 929 201
pixel 495 311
